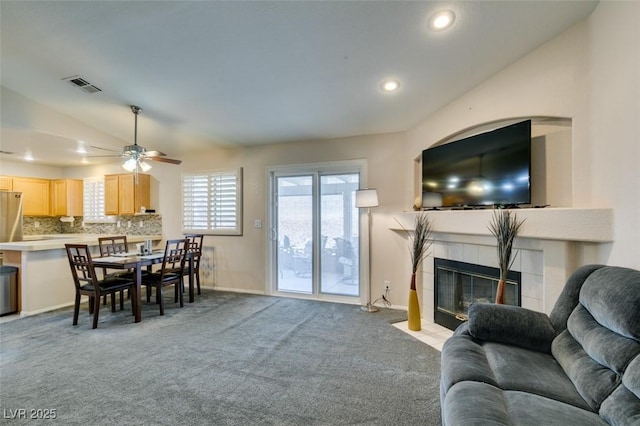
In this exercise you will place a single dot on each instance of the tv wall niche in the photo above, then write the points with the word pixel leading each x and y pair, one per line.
pixel 525 161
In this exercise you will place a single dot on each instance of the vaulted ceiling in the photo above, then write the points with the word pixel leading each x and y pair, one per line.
pixel 239 73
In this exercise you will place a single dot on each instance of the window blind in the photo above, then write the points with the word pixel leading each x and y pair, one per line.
pixel 212 202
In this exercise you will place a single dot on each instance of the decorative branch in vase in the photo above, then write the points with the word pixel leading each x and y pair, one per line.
pixel 505 227
pixel 420 243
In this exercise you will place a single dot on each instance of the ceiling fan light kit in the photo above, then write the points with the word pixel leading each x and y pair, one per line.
pixel 132 165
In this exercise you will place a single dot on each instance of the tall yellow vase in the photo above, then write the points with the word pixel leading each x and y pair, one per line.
pixel 413 308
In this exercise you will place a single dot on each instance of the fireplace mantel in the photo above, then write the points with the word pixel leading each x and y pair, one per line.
pixel 551 244
pixel 558 224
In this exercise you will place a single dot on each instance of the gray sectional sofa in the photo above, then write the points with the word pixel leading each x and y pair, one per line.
pixel 578 366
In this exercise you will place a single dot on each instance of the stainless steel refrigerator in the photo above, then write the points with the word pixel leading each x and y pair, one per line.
pixel 10 216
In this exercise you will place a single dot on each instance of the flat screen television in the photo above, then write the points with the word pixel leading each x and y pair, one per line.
pixel 491 168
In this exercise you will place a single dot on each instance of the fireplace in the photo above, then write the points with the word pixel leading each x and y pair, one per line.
pixel 458 284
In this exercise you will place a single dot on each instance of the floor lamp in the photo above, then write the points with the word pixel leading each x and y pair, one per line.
pixel 367 198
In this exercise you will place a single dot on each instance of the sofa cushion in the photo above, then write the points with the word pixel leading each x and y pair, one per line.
pixel 519 369
pixel 480 404
pixel 506 367
pixel 511 324
pixel 594 381
pixel 631 378
pixel 622 407
pixel 603 345
pixel 612 296
pixel 569 296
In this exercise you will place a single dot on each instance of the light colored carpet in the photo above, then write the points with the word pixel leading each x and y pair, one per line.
pixel 227 359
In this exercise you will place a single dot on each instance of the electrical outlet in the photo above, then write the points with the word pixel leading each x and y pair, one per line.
pixel 387 285
pixel 141 223
pixel 36 224
pixel 129 224
pixel 118 224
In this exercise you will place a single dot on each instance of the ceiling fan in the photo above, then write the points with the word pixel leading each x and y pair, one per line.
pixel 135 155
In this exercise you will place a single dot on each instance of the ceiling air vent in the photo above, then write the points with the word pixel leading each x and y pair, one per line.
pixel 82 84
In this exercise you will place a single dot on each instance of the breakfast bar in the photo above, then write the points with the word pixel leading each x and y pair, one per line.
pixel 44 277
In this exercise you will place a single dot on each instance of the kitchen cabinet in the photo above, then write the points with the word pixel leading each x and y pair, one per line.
pixel 123 195
pixel 6 183
pixel 35 195
pixel 67 197
pixel 111 195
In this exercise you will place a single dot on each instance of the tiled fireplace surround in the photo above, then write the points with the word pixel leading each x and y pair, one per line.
pixel 552 243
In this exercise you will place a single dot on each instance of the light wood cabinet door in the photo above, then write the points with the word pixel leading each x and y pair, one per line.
pixel 124 196
pixel 67 197
pixel 6 183
pixel 111 195
pixel 126 199
pixel 35 195
pixel 142 193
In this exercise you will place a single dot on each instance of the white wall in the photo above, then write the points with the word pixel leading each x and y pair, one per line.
pixel 614 123
pixel 22 169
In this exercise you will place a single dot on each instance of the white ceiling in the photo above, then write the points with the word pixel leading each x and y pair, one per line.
pixel 243 73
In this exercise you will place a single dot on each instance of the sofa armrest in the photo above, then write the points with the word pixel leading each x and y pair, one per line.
pixel 511 324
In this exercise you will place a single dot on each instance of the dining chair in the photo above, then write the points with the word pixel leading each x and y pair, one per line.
pixel 87 283
pixel 194 249
pixel 110 246
pixel 170 273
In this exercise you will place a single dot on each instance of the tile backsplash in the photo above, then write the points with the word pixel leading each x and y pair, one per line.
pixel 147 224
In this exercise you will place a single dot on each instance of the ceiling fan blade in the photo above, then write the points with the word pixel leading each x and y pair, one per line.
pixel 104 149
pixel 154 154
pixel 164 160
pixel 103 156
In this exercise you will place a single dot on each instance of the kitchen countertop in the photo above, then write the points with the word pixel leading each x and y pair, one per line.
pixel 57 241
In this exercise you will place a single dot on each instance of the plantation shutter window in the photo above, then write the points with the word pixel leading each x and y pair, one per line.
pixel 93 201
pixel 212 203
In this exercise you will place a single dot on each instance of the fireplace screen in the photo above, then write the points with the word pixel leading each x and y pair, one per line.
pixel 458 284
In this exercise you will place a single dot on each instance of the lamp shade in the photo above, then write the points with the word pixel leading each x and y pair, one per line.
pixel 366 198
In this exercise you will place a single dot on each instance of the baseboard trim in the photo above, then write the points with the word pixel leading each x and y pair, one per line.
pixel 40 311
pixel 234 290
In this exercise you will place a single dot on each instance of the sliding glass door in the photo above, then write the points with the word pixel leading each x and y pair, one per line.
pixel 339 247
pixel 315 234
pixel 294 203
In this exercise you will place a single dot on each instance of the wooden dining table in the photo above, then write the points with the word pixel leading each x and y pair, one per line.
pixel 137 262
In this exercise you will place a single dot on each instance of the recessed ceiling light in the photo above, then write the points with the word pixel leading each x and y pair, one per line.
pixel 390 85
pixel 441 20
